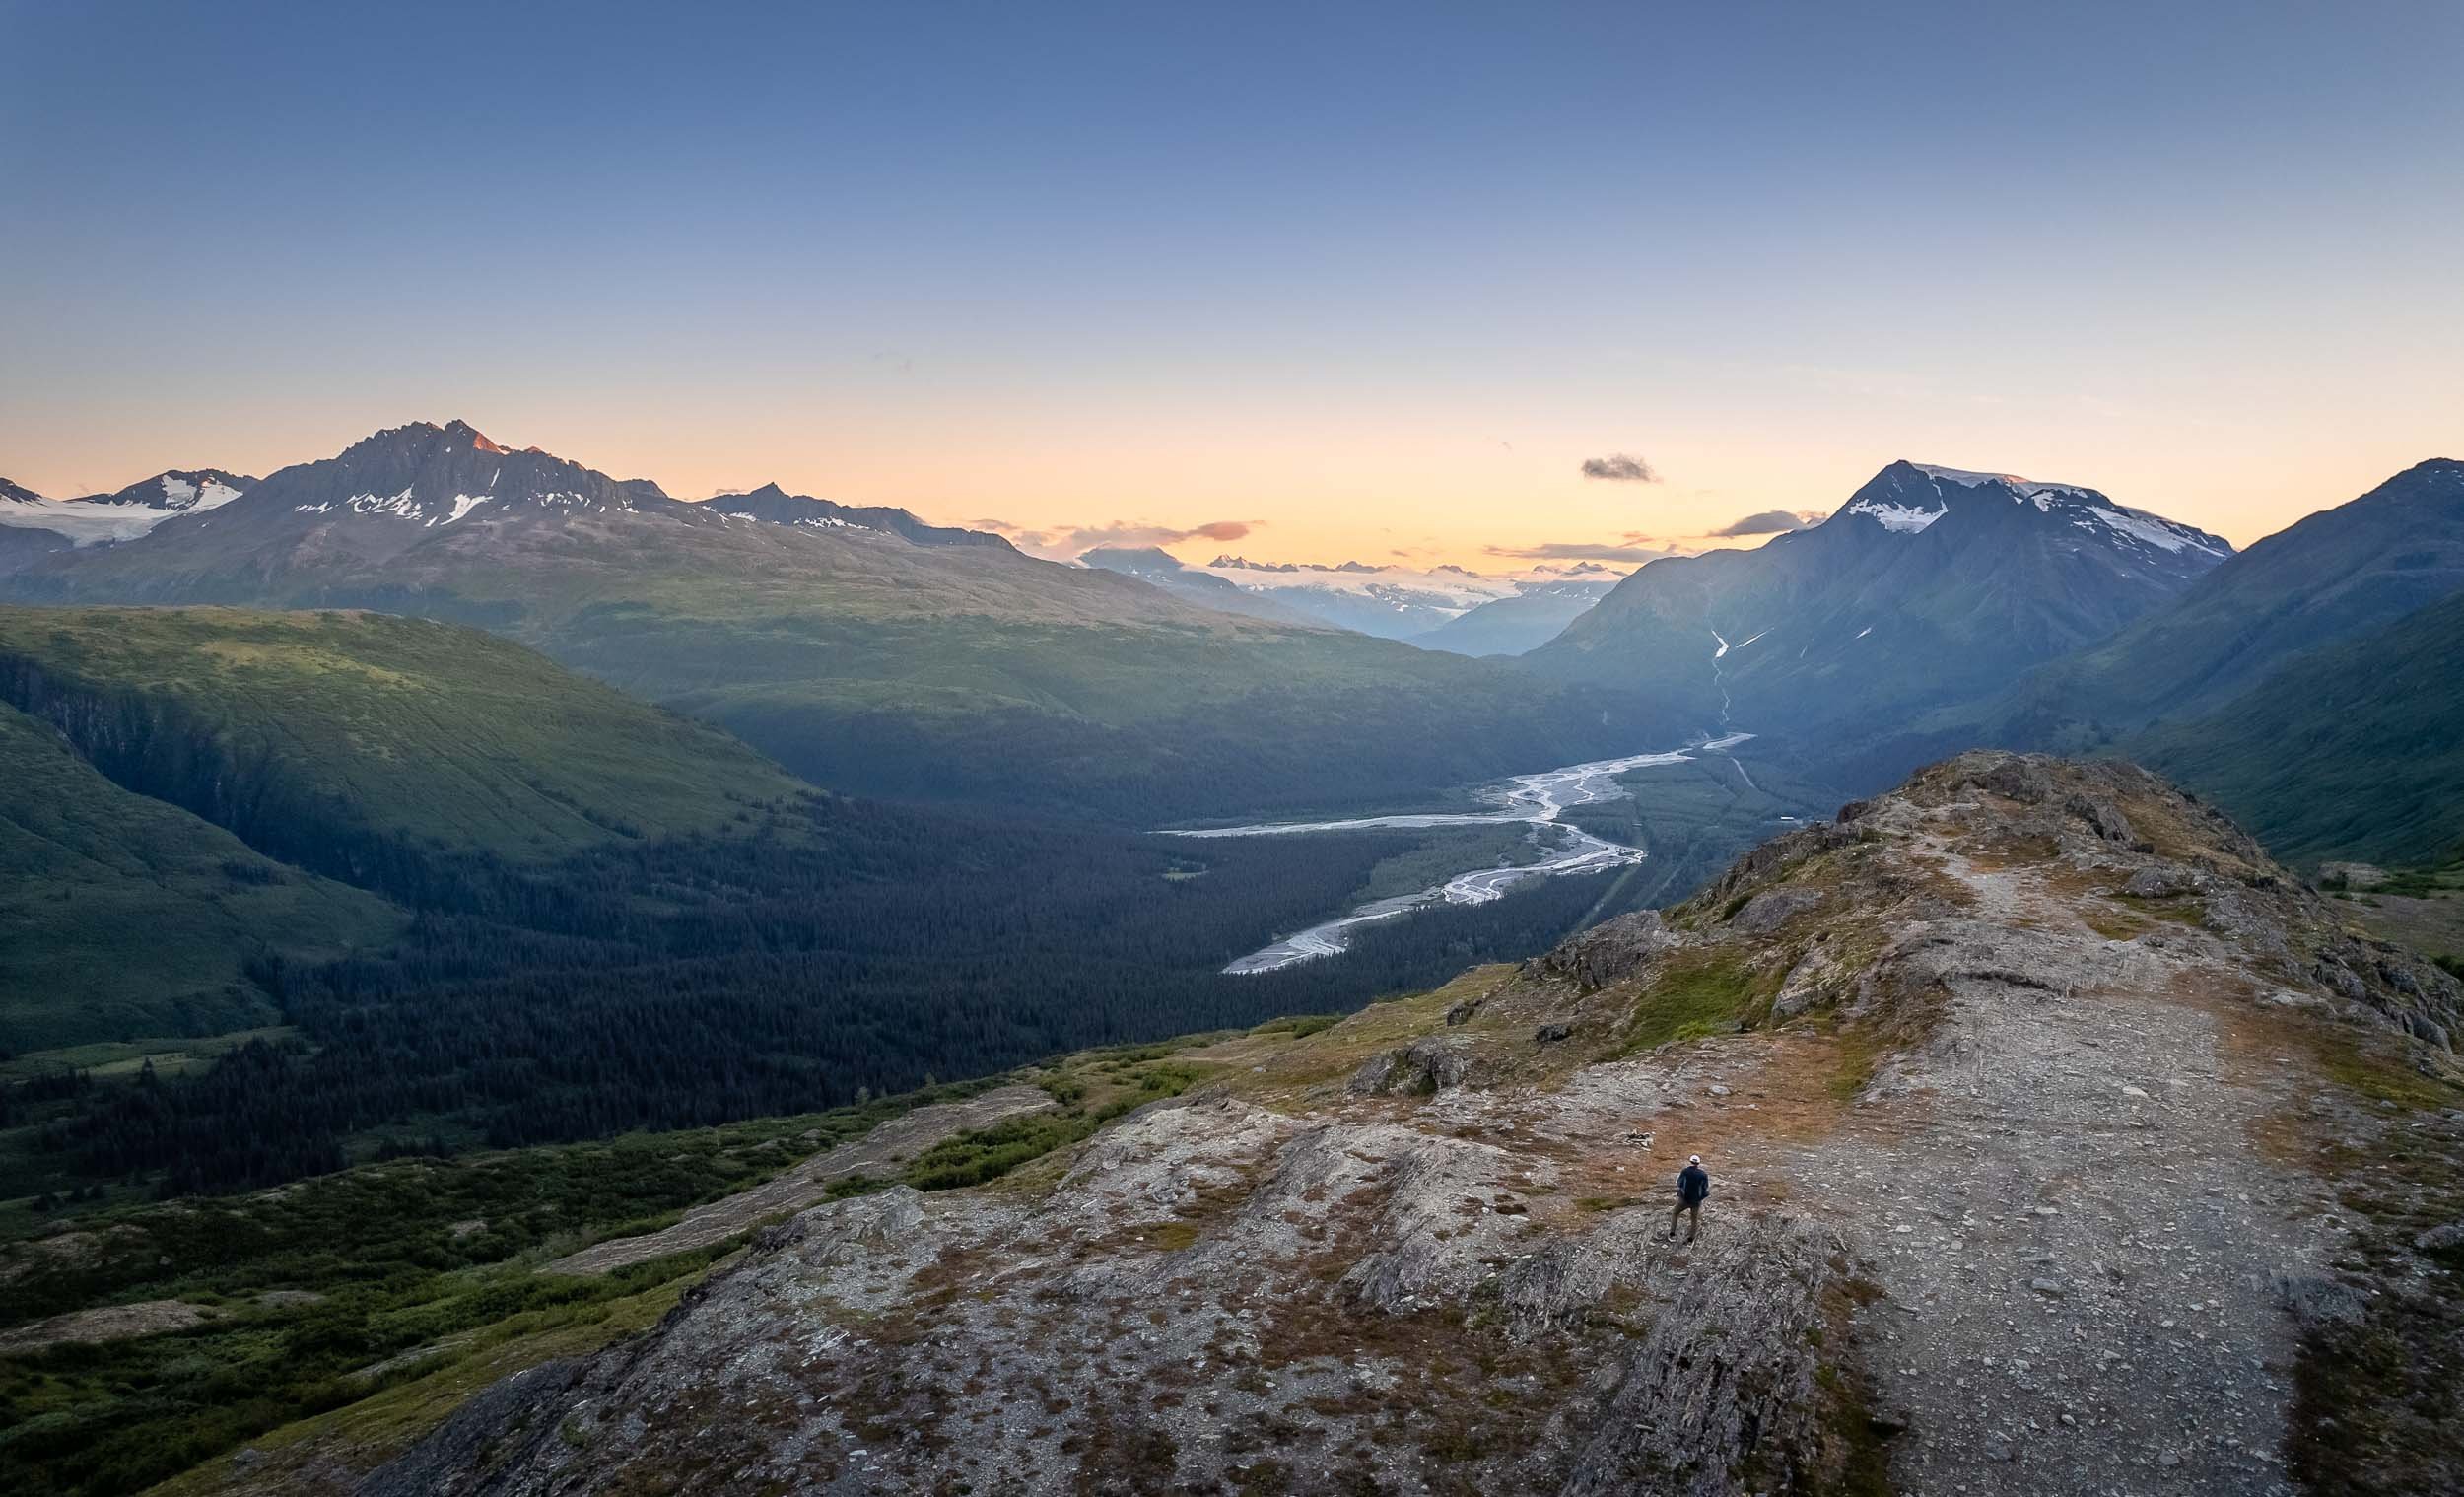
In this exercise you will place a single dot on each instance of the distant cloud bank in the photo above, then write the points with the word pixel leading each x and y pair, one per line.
pixel 1768 522
pixel 1079 539
pixel 1620 467
pixel 1582 551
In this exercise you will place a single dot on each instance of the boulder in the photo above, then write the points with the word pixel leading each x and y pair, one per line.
pixel 1773 908
pixel 1422 1067
pixel 1608 952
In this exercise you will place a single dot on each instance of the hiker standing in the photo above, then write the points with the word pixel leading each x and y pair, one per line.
pixel 1693 1182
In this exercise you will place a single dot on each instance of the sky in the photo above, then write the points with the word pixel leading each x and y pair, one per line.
pixel 1310 283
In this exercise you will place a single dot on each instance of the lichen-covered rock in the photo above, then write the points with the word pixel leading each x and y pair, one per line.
pixel 1609 952
pixel 1773 908
pixel 2162 882
pixel 2103 817
pixel 1421 1067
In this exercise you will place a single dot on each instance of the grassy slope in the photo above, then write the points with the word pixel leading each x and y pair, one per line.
pixel 300 733
pixel 385 725
pixel 2352 751
pixel 85 865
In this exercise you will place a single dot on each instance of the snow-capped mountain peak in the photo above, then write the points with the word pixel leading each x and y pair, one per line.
pixel 180 491
pixel 441 475
pixel 1909 498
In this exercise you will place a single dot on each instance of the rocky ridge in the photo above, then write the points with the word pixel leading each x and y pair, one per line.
pixel 2061 1142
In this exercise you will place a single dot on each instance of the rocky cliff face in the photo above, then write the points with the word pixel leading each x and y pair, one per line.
pixel 2060 1142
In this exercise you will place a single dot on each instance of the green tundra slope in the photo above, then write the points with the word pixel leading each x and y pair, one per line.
pixel 336 739
pixel 2354 751
pixel 130 918
pixel 184 790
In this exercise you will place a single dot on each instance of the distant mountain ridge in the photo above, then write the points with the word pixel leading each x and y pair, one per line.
pixel 1391 602
pixel 1159 568
pixel 1929 585
pixel 903 660
pixel 1515 626
pixel 774 505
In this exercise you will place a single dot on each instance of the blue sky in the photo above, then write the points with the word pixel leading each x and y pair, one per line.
pixel 1370 276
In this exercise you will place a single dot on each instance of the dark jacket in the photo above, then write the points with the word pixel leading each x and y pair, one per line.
pixel 1693 1182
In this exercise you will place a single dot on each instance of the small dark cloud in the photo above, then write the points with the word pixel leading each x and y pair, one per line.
pixel 1768 522
pixel 1620 467
pixel 1582 551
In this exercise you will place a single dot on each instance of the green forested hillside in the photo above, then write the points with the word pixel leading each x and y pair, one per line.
pixel 127 918
pixel 325 736
pixel 617 918
pixel 2354 751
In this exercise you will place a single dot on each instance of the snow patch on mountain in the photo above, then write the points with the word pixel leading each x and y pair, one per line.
pixel 408 505
pixel 2154 529
pixel 1907 519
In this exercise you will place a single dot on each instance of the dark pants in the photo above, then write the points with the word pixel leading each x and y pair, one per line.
pixel 1693 1211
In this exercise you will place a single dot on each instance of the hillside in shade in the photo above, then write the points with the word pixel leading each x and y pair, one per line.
pixel 2352 751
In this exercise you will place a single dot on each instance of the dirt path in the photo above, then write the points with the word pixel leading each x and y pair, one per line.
pixel 808 1184
pixel 2077 1250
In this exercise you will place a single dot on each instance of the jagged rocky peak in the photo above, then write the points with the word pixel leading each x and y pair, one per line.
pixel 441 475
pixel 1993 1077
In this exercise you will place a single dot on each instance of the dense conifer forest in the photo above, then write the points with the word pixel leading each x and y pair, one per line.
pixel 848 949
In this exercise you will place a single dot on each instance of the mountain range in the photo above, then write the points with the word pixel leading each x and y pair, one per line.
pixel 869 651
pixel 860 647
pixel 2353 750
pixel 1930 585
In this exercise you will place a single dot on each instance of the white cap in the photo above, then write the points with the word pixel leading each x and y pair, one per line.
pixel 1694 1159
